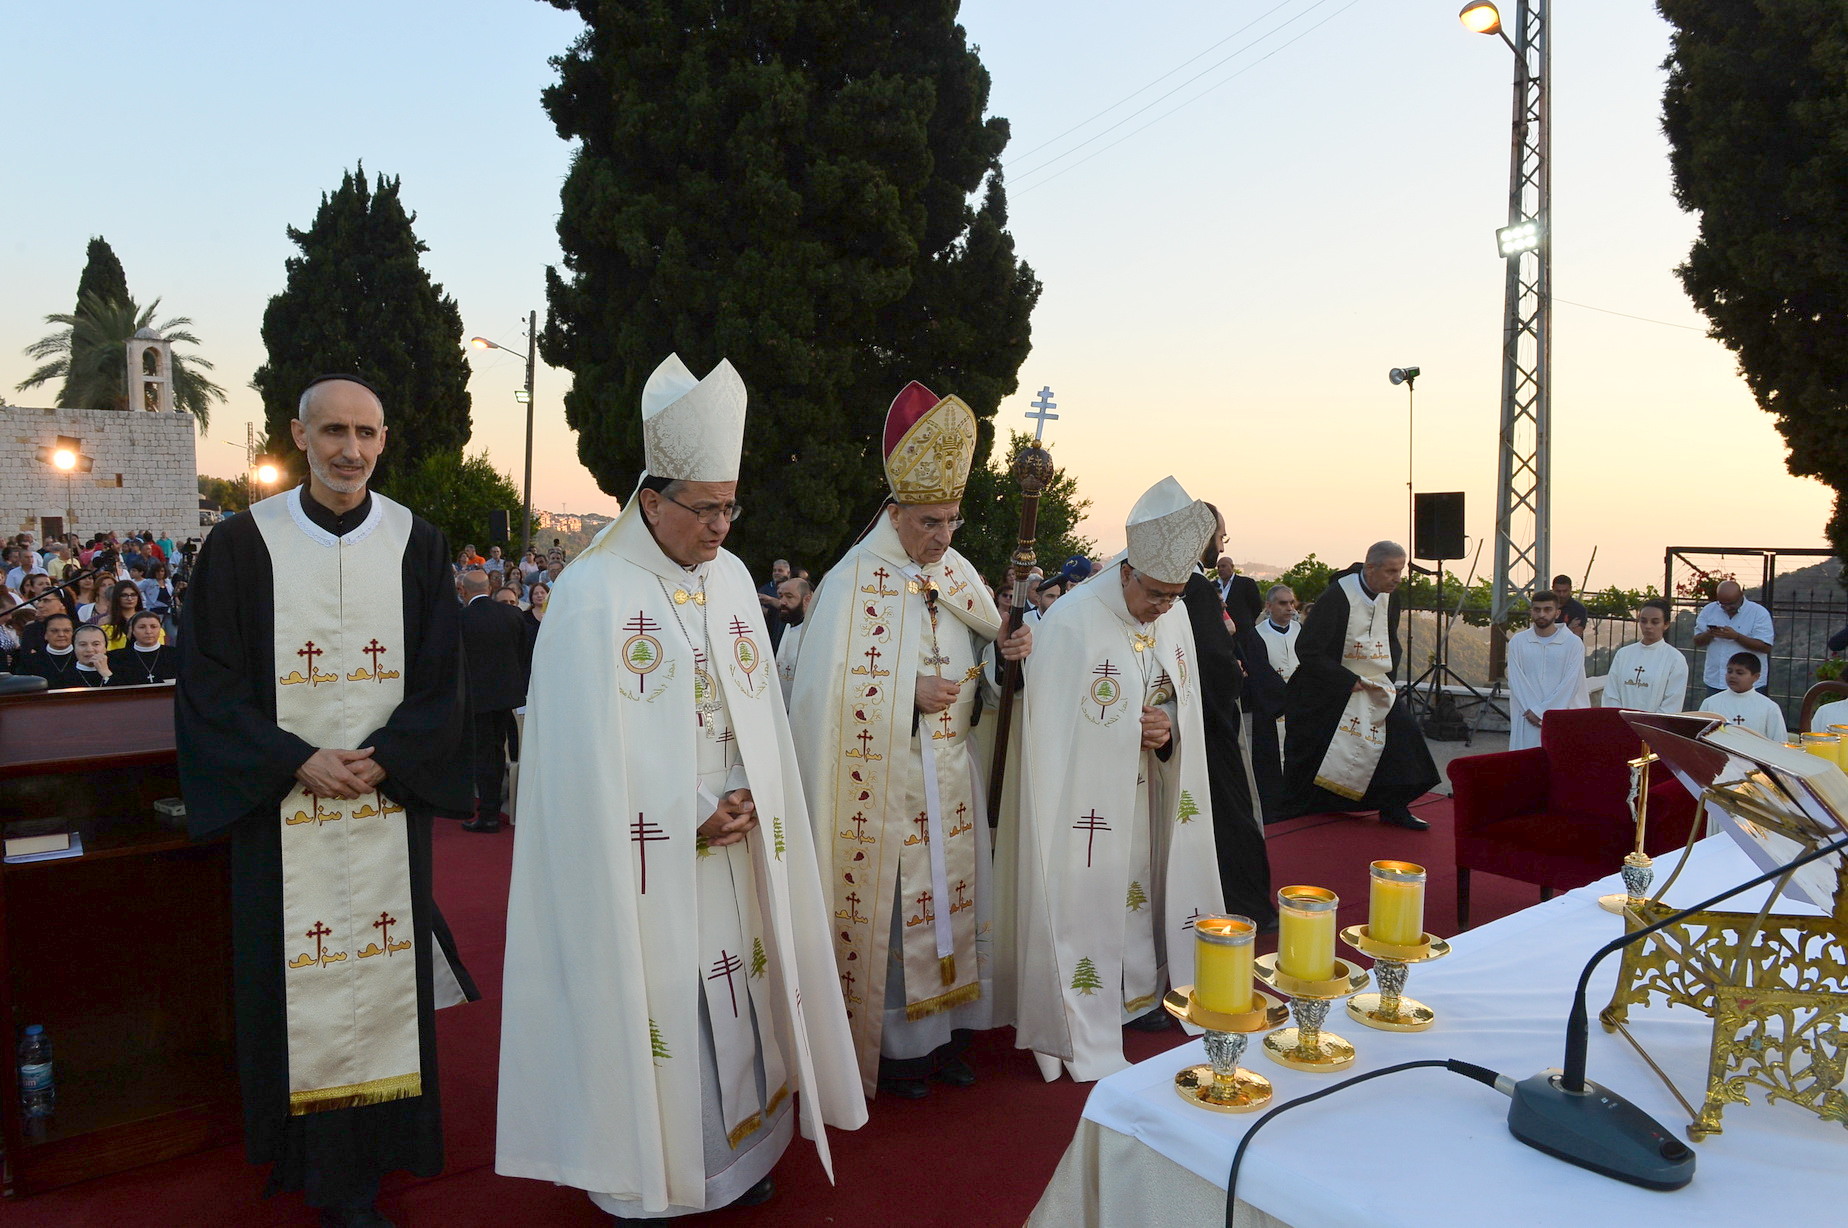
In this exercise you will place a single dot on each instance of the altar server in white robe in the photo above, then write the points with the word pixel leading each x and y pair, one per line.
pixel 891 679
pixel 1115 855
pixel 669 988
pixel 1744 705
pixel 1649 674
pixel 1546 670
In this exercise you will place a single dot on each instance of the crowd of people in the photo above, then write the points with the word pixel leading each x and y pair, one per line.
pixel 93 613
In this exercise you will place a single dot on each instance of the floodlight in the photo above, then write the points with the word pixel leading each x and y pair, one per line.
pixel 266 473
pixel 1402 375
pixel 522 396
pixel 1480 17
pixel 1523 236
pixel 64 459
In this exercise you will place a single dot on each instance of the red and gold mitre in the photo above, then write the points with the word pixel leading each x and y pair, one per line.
pixel 929 446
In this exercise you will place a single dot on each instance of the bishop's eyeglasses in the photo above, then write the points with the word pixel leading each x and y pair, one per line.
pixel 711 514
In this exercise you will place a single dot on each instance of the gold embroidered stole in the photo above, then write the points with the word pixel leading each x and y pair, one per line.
pixel 350 972
pixel 1354 751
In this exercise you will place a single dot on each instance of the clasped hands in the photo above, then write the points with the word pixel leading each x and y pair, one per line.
pixel 733 820
pixel 345 774
pixel 1156 728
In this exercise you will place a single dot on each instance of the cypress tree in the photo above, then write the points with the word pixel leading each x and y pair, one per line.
pixel 358 300
pixel 1755 109
pixel 794 187
pixel 103 278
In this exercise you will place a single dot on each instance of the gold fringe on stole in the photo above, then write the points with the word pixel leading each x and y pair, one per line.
pixel 353 1095
pixel 946 968
pixel 1141 1004
pixel 915 1011
pixel 755 1122
pixel 1323 782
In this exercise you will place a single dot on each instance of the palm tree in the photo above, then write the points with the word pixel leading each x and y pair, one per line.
pixel 90 352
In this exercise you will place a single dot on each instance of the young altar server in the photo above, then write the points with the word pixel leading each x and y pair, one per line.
pixel 670 998
pixel 1742 704
pixel 1648 674
pixel 1113 853
pixel 320 720
pixel 1546 670
pixel 890 681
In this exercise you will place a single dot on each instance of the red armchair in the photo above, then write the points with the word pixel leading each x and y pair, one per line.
pixel 1558 815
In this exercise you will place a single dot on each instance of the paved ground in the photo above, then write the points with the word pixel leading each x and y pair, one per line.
pixel 1483 743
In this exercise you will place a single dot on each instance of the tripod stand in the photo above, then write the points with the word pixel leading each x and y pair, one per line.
pixel 1436 709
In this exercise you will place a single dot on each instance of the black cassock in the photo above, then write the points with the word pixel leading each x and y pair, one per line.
pixel 1313 702
pixel 1244 864
pixel 237 764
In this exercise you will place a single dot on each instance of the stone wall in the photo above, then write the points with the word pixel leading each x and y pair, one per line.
pixel 145 475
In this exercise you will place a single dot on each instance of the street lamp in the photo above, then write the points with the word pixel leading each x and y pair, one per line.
pixel 525 396
pixel 1481 17
pixel 266 473
pixel 64 459
pixel 65 454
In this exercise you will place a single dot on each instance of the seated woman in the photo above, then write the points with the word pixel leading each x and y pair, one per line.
pixel 145 659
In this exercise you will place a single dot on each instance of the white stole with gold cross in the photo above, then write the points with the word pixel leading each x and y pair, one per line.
pixel 1354 752
pixel 350 970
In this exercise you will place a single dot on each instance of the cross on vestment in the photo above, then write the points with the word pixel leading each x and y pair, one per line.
pixel 1639 677
pixel 1045 405
pixel 923 822
pixel 962 885
pixel 383 926
pixel 864 738
pixel 724 966
pixel 944 719
pixel 641 624
pixel 853 907
pixel 375 650
pixel 1189 923
pixel 859 826
pixel 739 626
pixel 1090 824
pixel 642 833
pixel 310 652
pixel 924 908
pixel 847 979
pixel 319 932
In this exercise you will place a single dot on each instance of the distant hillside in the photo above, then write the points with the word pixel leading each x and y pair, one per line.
pixel 571 532
pixel 1261 571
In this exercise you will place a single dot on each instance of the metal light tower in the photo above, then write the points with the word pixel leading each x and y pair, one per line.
pixel 1523 493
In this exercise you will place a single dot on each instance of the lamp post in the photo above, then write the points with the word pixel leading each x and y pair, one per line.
pixel 66 455
pixel 531 355
pixel 1523 496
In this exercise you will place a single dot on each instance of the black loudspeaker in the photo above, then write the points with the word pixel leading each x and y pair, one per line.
pixel 1437 525
pixel 497 526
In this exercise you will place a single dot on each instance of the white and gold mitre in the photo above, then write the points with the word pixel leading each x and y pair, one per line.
pixel 1167 531
pixel 929 446
pixel 693 429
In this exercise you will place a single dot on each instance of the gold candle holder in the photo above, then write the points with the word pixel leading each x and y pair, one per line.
pixel 1306 1046
pixel 1221 1084
pixel 1390 1010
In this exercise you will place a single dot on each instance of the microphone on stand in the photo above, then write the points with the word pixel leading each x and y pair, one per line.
pixel 1566 1115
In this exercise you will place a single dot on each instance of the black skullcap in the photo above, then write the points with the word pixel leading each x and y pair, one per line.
pixel 361 380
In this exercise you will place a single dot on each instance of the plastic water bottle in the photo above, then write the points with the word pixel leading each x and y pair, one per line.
pixel 38 1094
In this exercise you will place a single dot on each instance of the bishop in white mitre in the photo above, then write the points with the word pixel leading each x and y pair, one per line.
pixel 1546 670
pixel 669 991
pixel 890 681
pixel 1112 855
pixel 1648 674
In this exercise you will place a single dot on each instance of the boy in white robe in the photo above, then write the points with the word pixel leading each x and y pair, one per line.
pixel 1744 705
pixel 1649 674
pixel 1546 670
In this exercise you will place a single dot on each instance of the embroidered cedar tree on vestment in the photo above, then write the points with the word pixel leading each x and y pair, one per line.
pixel 757 957
pixel 811 189
pixel 1084 977
pixel 1188 810
pixel 1137 898
pixel 656 1045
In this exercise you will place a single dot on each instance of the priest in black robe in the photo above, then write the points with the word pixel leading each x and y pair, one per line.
pixel 1318 693
pixel 237 764
pixel 1238 838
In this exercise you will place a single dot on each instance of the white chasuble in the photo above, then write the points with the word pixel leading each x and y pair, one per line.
pixel 1113 852
pixel 895 792
pixel 350 975
pixel 1354 752
pixel 653 694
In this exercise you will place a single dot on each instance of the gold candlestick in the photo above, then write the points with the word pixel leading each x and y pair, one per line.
pixel 1638 867
pixel 1221 1084
pixel 1390 1010
pixel 1306 1046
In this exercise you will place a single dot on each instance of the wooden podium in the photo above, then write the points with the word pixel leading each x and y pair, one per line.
pixel 123 954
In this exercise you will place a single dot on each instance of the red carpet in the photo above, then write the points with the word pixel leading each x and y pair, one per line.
pixel 999 1140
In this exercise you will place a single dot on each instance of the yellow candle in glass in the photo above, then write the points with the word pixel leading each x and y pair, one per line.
pixel 1306 932
pixel 1841 750
pixel 1395 903
pixel 1822 745
pixel 1222 963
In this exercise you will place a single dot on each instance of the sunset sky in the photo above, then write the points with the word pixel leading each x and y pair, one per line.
pixel 1225 290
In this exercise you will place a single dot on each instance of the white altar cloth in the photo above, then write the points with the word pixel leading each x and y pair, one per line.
pixel 1427 1148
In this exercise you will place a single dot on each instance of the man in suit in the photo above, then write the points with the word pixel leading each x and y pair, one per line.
pixel 1240 594
pixel 493 635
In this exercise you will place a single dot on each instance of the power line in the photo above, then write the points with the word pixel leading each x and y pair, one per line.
pixel 1219 63
pixel 1626 315
pixel 1189 102
pixel 1152 84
